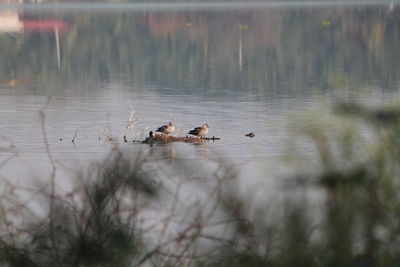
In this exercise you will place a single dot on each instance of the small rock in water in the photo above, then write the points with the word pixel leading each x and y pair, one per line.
pixel 251 135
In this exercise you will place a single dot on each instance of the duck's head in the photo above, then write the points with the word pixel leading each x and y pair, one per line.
pixel 205 125
pixel 170 124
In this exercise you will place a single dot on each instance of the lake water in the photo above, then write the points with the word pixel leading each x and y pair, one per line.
pixel 239 68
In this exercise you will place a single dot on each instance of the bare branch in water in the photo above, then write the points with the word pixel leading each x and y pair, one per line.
pixel 106 134
pixel 132 121
pixel 73 139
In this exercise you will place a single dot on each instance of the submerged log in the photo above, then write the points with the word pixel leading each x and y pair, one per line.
pixel 160 138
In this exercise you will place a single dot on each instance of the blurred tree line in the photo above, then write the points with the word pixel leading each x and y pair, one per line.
pixel 271 51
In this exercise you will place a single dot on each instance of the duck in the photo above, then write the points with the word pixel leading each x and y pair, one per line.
pixel 251 135
pixel 166 129
pixel 200 131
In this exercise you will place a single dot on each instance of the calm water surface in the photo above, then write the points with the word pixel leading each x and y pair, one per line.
pixel 239 69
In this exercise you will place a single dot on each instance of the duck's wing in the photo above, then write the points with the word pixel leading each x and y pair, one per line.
pixel 195 131
pixel 162 129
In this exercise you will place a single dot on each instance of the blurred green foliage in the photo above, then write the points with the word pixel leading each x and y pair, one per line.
pixel 358 220
pixel 353 222
pixel 87 228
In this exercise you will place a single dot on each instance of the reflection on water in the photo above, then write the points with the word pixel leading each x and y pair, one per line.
pixel 207 53
pixel 240 70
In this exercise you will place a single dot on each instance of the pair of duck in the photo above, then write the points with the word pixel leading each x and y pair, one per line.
pixel 198 131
